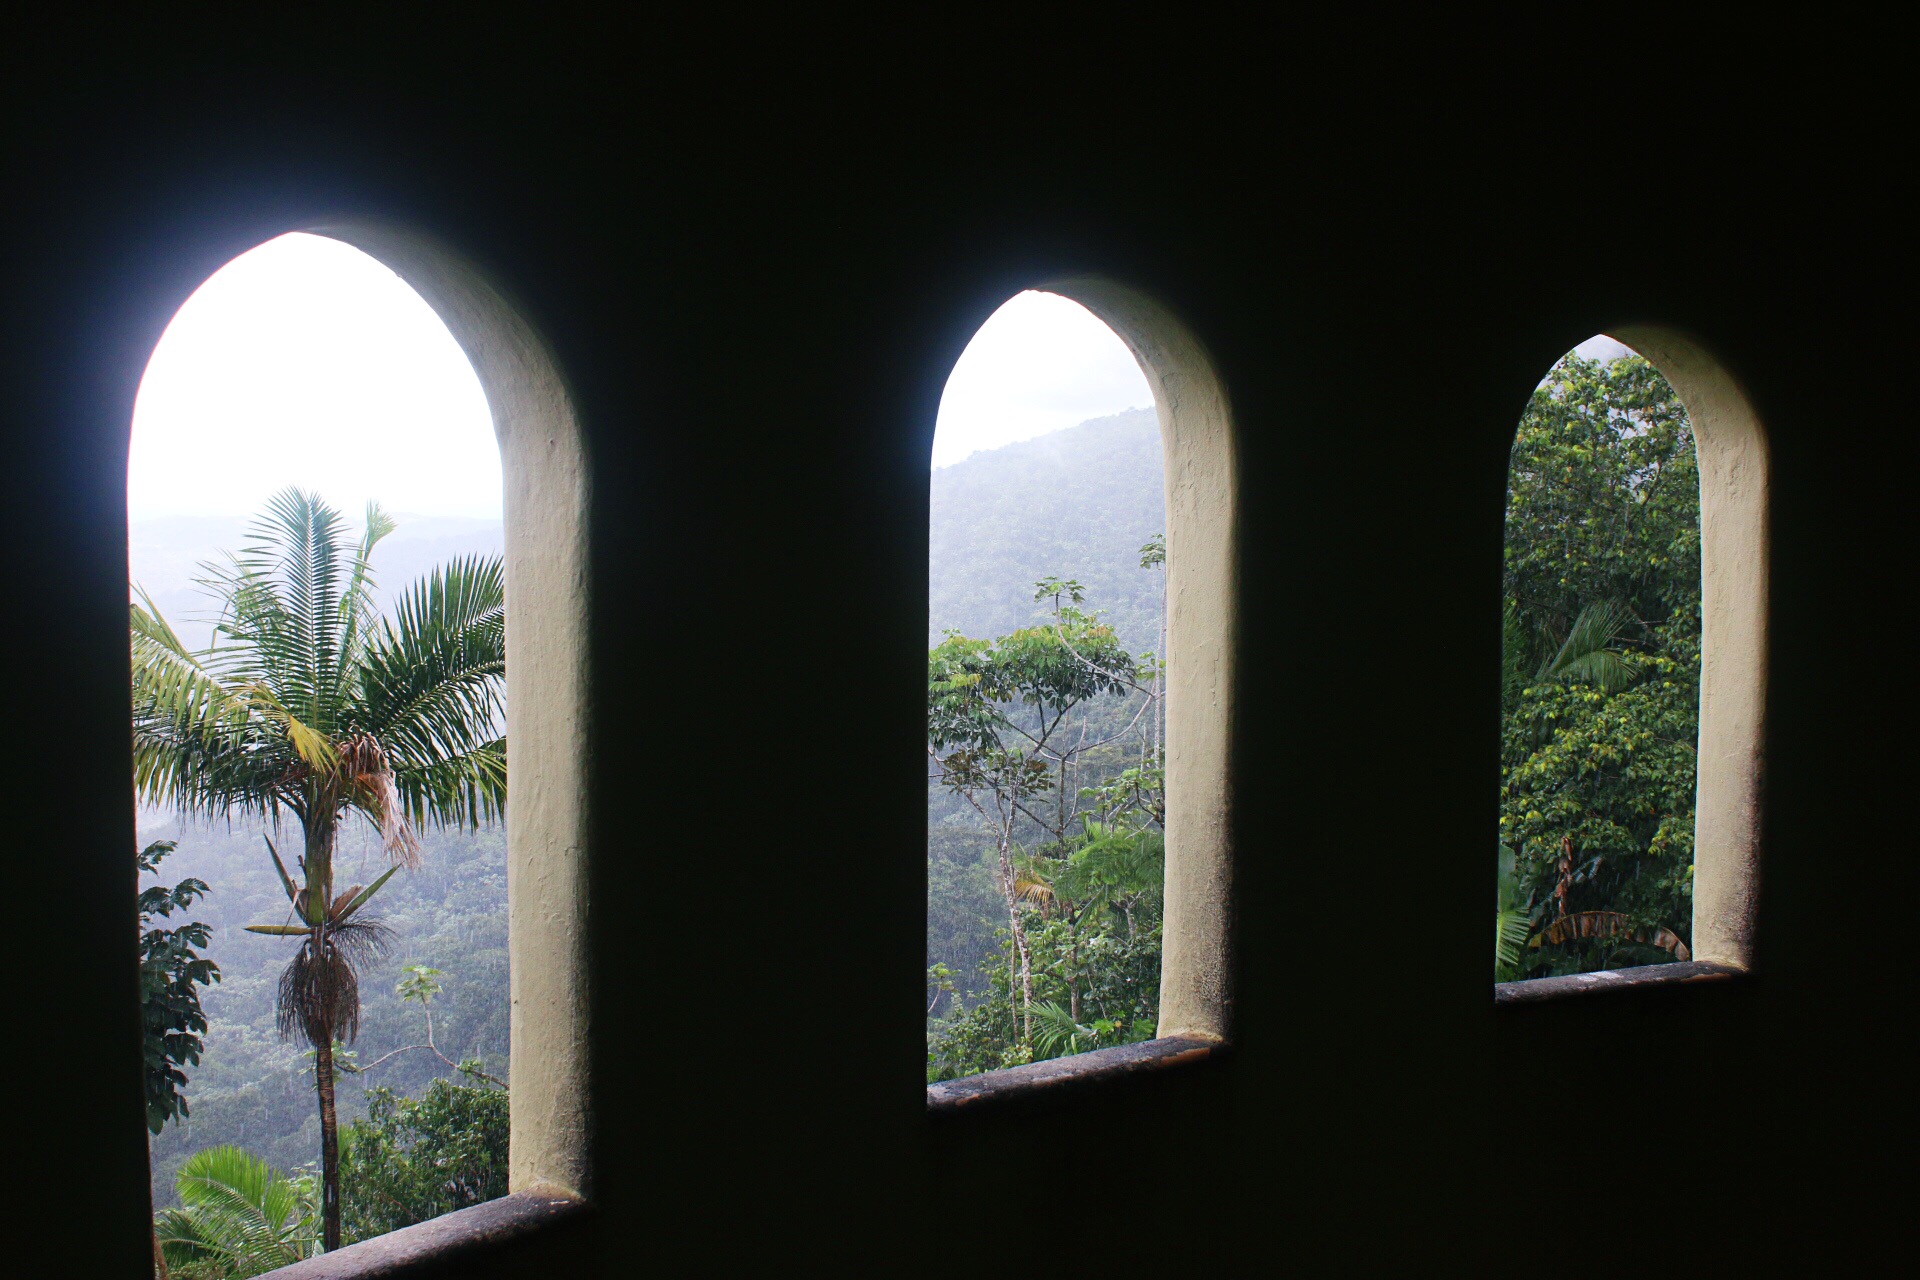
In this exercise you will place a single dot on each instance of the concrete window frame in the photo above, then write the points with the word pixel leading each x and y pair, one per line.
pixel 1197 436
pixel 546 490
pixel 1735 554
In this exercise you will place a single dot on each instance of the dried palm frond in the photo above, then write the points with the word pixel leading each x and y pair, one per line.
pixel 1031 886
pixel 1584 925
pixel 364 765
pixel 319 996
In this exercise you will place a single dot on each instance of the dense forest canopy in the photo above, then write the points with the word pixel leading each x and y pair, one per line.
pixel 1601 675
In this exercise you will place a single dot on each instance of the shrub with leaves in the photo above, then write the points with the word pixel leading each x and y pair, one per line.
pixel 237 1218
pixel 172 971
pixel 412 1159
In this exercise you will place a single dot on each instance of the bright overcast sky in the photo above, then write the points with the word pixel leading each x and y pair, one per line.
pixel 306 362
pixel 1039 363
pixel 1601 347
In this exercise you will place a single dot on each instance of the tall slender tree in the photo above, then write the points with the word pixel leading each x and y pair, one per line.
pixel 1001 712
pixel 311 704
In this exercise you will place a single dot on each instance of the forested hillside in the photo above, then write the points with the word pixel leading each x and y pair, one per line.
pixel 1078 504
pixel 253 1089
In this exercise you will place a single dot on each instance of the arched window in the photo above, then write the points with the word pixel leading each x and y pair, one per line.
pixel 397 666
pixel 1078 700
pixel 1634 658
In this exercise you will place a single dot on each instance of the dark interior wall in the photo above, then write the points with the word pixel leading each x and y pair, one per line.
pixel 756 268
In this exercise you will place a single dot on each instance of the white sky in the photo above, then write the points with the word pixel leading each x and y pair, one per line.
pixel 1601 347
pixel 307 362
pixel 1039 363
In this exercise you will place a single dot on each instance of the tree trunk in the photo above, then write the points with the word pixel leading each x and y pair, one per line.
pixel 153 1228
pixel 320 828
pixel 329 1144
pixel 1019 938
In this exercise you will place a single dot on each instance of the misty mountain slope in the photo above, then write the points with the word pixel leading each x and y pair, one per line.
pixel 1076 504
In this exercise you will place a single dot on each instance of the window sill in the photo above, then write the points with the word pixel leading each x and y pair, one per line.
pixel 443 1239
pixel 1064 1074
pixel 1688 973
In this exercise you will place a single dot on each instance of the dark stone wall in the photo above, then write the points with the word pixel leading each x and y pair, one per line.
pixel 756 259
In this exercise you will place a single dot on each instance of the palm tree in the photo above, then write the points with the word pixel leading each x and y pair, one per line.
pixel 238 1217
pixel 308 703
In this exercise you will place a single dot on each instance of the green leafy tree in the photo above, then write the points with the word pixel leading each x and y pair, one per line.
pixel 237 1218
pixel 310 704
pixel 1601 683
pixel 1002 734
pixel 420 985
pixel 172 972
pixel 415 1159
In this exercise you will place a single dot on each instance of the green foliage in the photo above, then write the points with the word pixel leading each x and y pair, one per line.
pixel 248 1089
pixel 1029 743
pixel 309 702
pixel 237 1218
pixel 421 984
pixel 412 1159
pixel 1512 920
pixel 171 973
pixel 1601 670
pixel 1021 724
pixel 1118 977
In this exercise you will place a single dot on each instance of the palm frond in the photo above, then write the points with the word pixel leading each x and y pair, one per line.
pixel 237 1214
pixel 203 743
pixel 465 790
pixel 1587 654
pixel 433 690
pixel 302 535
pixel 172 684
pixel 1054 1030
pixel 1589 925
pixel 358 609
pixel 1510 930
pixel 1513 652
pixel 1030 886
pixel 356 897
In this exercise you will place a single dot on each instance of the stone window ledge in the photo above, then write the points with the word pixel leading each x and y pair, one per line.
pixel 1539 990
pixel 444 1239
pixel 1060 1075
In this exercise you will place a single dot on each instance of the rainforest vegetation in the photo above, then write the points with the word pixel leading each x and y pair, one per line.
pixel 1045 793
pixel 1600 688
pixel 322 774
pixel 315 712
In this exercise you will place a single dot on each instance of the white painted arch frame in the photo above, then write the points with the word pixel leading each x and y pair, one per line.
pixel 1735 552
pixel 1731 446
pixel 546 482
pixel 1202 497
